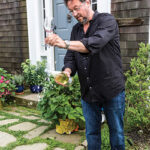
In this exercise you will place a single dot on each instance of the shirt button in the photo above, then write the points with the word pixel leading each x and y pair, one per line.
pixel 85 68
pixel 87 78
pixel 90 88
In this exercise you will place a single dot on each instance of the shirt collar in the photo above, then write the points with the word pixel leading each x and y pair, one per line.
pixel 94 16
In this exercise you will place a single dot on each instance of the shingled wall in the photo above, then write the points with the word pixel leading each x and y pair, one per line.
pixel 132 35
pixel 13 34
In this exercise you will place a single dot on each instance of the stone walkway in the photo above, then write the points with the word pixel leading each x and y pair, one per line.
pixel 34 126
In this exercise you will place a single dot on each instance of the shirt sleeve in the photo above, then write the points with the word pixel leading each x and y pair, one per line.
pixel 105 32
pixel 69 60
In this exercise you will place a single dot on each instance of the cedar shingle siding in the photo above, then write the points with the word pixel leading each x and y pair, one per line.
pixel 13 34
pixel 131 35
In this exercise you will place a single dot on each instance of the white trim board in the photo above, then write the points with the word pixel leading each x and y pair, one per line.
pixel 104 6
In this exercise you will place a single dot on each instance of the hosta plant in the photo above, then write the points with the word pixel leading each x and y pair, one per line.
pixel 34 74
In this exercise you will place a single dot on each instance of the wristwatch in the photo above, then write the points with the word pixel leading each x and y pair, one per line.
pixel 67 44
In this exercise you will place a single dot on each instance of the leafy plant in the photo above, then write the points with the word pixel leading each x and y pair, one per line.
pixel 6 85
pixel 18 80
pixel 34 74
pixel 60 102
pixel 138 90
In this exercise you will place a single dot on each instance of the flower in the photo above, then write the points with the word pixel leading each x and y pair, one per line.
pixel 6 86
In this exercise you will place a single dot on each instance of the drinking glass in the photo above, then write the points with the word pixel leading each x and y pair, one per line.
pixel 63 79
pixel 49 27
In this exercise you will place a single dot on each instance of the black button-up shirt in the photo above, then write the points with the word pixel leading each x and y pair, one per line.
pixel 100 71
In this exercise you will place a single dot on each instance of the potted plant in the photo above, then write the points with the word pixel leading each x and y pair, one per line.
pixel 7 88
pixel 18 81
pixel 61 105
pixel 34 75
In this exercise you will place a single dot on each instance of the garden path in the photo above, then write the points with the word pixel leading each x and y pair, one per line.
pixel 23 129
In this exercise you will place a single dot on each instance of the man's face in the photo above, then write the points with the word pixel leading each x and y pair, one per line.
pixel 80 10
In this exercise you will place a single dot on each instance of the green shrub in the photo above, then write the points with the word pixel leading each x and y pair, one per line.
pixel 138 91
pixel 34 74
pixel 60 102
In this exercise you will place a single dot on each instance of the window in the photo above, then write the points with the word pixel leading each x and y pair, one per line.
pixel 94 4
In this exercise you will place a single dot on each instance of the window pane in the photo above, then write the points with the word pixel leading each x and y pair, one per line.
pixel 94 7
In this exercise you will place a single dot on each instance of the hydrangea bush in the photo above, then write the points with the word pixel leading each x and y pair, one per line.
pixel 6 85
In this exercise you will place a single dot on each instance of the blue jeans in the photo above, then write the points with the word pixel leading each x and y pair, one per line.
pixel 114 112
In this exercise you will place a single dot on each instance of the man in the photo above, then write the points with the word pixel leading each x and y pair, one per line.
pixel 94 53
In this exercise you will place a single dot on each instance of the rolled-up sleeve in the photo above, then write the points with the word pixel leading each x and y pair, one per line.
pixel 106 30
pixel 69 60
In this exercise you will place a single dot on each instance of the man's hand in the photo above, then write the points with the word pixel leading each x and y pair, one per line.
pixel 67 71
pixel 55 40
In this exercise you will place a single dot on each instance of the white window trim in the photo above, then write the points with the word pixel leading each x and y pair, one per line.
pixel 35 32
pixel 34 25
pixel 50 51
pixel 104 6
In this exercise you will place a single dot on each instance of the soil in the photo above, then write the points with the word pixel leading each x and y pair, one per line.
pixel 139 140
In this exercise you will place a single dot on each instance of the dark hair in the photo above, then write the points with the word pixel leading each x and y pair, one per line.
pixel 66 1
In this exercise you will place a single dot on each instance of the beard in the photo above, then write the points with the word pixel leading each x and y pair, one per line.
pixel 84 21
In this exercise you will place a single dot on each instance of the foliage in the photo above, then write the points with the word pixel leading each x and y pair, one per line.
pixel 138 90
pixel 34 74
pixel 18 80
pixel 60 102
pixel 6 85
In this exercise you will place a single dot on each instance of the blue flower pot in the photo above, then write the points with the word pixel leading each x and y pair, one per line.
pixel 36 88
pixel 20 89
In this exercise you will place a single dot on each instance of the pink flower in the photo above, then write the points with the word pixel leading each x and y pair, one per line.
pixel 7 81
pixel 2 77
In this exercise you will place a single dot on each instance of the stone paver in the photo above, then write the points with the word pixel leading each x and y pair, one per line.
pixel 12 113
pixel 30 96
pixel 6 139
pixel 8 121
pixel 36 146
pixel 79 148
pixel 25 126
pixel 36 132
pixel 2 117
pixel 31 117
pixel 84 143
pixel 44 121
pixel 72 138
pixel 59 149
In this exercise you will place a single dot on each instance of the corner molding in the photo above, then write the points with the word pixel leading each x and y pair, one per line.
pixel 129 21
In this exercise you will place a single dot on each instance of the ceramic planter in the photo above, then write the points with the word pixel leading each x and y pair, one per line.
pixel 36 88
pixel 20 89
pixel 66 126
